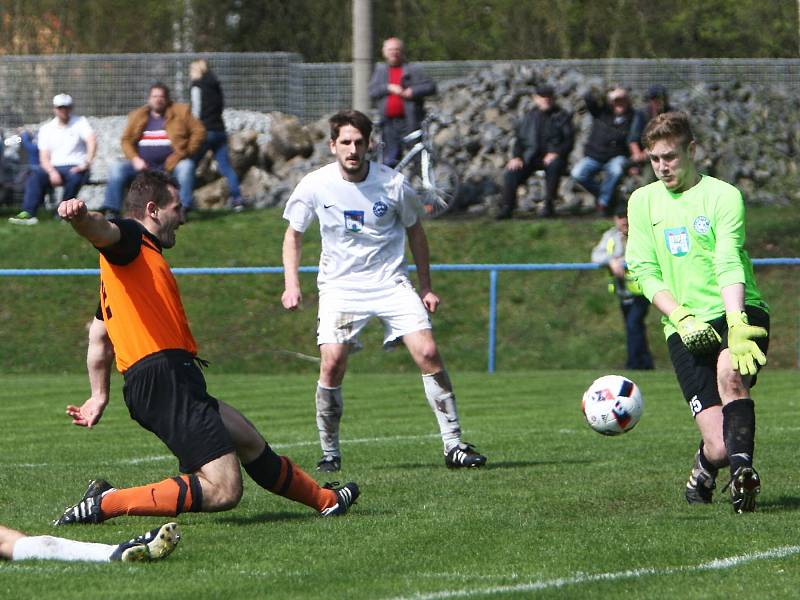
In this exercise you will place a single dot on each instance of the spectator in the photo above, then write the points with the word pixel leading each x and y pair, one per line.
pixel 207 104
pixel 608 148
pixel 67 147
pixel 657 103
pixel 400 89
pixel 544 139
pixel 159 135
pixel 610 253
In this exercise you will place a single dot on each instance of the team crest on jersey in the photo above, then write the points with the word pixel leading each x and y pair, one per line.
pixel 677 240
pixel 379 208
pixel 702 224
pixel 354 220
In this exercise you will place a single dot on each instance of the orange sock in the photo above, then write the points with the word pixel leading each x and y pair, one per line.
pixel 297 485
pixel 166 498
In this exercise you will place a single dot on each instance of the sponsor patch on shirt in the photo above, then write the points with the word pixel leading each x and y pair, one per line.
pixel 379 208
pixel 677 240
pixel 702 224
pixel 354 220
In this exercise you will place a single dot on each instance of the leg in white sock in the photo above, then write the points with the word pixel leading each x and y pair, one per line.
pixel 329 413
pixel 46 547
pixel 439 392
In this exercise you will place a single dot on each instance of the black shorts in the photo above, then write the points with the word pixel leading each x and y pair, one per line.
pixel 697 374
pixel 166 394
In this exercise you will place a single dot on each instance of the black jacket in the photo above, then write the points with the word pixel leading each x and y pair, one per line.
pixel 210 101
pixel 541 132
pixel 609 135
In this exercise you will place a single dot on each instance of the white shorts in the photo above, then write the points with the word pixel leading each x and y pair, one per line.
pixel 343 314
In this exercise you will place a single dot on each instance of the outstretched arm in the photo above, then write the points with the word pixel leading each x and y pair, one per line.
pixel 418 243
pixel 292 297
pixel 91 225
pixel 99 357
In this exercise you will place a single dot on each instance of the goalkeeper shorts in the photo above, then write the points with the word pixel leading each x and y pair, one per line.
pixel 697 374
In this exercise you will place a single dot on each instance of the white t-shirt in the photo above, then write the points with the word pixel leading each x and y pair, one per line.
pixel 66 143
pixel 362 225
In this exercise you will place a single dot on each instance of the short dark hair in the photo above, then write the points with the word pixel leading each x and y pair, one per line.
pixel 354 118
pixel 158 85
pixel 149 186
pixel 669 125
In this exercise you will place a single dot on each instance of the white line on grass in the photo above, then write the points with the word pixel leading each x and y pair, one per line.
pixel 581 578
pixel 161 457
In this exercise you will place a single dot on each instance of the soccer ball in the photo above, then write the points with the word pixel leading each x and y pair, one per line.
pixel 612 405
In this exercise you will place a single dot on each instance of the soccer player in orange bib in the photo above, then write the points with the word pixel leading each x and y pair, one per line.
pixel 141 320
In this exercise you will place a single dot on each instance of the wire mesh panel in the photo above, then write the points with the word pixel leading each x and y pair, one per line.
pixel 114 84
pixel 105 85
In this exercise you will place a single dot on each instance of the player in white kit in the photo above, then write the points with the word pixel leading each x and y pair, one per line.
pixel 365 211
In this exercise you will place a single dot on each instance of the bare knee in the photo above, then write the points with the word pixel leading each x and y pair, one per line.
pixel 429 353
pixel 714 449
pixel 221 496
pixel 221 480
pixel 331 371
pixel 732 386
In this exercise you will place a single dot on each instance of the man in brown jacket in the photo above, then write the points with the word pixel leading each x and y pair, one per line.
pixel 159 135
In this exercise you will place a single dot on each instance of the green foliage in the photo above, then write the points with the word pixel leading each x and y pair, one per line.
pixel 557 507
pixel 320 30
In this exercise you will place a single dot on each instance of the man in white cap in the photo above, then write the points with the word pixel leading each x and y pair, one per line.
pixel 609 148
pixel 67 147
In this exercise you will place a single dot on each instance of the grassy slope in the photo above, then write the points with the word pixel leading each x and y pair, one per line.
pixel 546 320
pixel 557 501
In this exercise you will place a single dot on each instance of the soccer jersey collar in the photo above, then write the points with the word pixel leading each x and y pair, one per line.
pixel 676 195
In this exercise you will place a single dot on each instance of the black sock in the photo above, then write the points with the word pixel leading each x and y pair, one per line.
pixel 739 431
pixel 266 469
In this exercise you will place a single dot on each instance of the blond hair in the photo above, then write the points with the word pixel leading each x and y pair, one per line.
pixel 668 126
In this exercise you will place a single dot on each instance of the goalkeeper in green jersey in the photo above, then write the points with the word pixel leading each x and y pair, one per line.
pixel 685 248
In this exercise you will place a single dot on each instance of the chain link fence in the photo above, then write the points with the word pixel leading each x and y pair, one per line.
pixel 114 84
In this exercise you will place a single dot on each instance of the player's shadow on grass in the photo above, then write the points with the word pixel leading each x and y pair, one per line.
pixel 517 464
pixel 265 517
pixel 782 503
pixel 492 465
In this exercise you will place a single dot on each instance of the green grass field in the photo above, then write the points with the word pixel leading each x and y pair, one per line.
pixel 560 511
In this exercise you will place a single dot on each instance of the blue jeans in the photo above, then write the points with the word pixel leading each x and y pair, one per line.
pixel 122 173
pixel 38 184
pixel 613 170
pixel 217 142
pixel 634 312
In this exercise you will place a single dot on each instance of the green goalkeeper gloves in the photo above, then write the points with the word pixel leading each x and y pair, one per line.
pixel 745 353
pixel 698 336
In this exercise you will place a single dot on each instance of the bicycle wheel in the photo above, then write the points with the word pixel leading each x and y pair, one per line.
pixel 442 196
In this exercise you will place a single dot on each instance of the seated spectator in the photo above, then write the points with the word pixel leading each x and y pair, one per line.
pixel 543 140
pixel 607 150
pixel 610 252
pixel 66 149
pixel 207 104
pixel 161 136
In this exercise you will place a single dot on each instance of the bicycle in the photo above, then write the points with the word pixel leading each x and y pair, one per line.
pixel 436 182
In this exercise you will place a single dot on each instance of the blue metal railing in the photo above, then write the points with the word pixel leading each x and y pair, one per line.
pixel 493 270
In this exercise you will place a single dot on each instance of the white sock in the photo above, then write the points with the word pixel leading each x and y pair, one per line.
pixel 47 547
pixel 439 392
pixel 329 412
